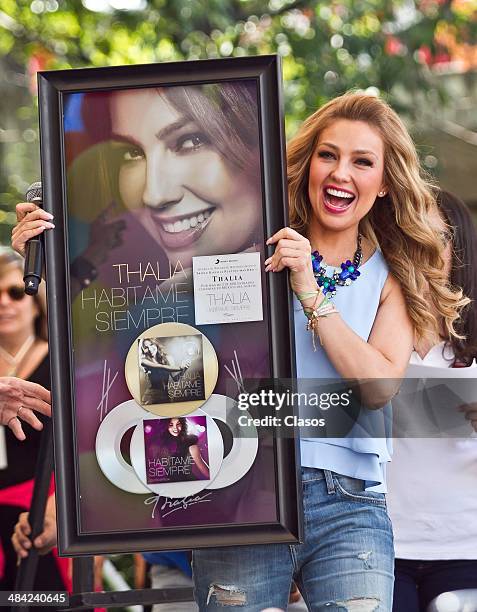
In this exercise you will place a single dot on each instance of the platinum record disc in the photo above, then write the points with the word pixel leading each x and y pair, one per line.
pixel 153 464
pixel 245 442
pixel 108 447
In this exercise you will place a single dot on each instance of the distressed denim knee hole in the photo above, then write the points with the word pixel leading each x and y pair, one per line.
pixel 227 595
pixel 358 604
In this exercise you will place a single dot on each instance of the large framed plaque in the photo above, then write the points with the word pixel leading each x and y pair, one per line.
pixel 165 181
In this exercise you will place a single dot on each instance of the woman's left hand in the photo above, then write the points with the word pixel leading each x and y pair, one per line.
pixel 18 399
pixel 293 251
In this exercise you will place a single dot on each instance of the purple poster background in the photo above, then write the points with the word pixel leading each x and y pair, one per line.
pixel 154 177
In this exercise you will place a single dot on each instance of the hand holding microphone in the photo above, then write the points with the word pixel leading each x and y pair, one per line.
pixel 32 222
pixel 105 235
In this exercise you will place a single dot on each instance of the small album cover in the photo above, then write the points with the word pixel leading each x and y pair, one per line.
pixel 171 369
pixel 176 449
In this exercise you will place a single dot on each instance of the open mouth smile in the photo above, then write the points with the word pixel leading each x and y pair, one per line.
pixel 337 200
pixel 182 230
pixel 184 223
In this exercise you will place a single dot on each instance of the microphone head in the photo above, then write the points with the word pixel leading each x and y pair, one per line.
pixel 34 192
pixel 32 283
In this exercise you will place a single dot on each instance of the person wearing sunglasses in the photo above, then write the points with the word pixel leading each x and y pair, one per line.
pixel 23 359
pixel 20 348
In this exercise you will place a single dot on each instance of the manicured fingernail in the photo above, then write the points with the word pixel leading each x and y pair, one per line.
pixel 267 269
pixel 49 215
pixel 267 261
pixel 50 225
pixel 268 241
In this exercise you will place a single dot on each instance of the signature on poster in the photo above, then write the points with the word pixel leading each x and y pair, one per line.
pixel 102 407
pixel 236 374
pixel 173 505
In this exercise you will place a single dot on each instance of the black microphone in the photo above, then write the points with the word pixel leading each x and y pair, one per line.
pixel 33 247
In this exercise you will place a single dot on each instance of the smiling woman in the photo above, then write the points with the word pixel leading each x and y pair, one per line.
pixel 340 147
pixel 183 160
pixel 358 144
pixel 359 202
pixel 193 190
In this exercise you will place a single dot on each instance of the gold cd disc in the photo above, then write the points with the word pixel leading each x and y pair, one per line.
pixel 171 369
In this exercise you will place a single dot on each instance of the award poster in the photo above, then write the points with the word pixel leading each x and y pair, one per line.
pixel 164 183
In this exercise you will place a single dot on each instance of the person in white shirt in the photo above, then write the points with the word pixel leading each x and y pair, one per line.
pixel 432 481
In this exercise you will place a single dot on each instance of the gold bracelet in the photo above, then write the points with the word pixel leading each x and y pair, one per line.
pixel 324 310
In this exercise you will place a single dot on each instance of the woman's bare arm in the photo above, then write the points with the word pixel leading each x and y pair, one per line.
pixel 147 363
pixel 197 457
pixel 382 360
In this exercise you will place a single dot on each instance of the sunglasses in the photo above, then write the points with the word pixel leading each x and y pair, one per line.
pixel 15 292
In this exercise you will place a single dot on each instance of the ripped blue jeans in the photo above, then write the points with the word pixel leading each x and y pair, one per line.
pixel 346 562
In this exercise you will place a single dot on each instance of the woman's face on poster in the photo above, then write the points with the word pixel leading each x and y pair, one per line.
pixel 175 427
pixel 185 193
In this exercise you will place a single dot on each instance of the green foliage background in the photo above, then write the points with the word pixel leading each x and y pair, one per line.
pixel 328 46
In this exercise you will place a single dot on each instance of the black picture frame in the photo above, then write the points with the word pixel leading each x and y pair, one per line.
pixel 265 71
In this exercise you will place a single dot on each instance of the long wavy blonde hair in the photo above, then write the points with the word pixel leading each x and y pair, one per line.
pixel 405 224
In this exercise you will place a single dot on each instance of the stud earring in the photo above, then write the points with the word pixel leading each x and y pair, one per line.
pixel 381 194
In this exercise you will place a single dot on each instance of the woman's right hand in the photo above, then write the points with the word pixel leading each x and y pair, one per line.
pixel 293 251
pixel 31 221
pixel 44 542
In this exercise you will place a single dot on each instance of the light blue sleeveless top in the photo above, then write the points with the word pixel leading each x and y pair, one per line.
pixel 358 455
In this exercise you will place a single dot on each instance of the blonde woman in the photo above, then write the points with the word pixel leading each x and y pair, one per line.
pixel 360 204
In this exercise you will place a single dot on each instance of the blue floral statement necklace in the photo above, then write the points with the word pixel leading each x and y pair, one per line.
pixel 349 271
